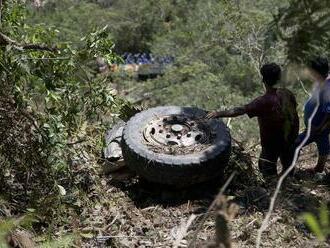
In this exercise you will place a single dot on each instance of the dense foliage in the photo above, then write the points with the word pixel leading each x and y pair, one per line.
pixel 304 26
pixel 55 106
pixel 52 109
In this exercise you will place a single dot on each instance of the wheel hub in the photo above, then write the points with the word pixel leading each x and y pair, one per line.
pixel 177 130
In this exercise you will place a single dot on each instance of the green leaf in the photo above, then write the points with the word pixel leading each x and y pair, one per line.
pixel 313 224
pixel 31 210
pixel 87 235
pixel 324 216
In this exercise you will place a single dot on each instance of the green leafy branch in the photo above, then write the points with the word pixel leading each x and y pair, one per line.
pixel 319 225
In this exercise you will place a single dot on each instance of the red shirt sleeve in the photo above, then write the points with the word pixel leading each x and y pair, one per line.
pixel 256 108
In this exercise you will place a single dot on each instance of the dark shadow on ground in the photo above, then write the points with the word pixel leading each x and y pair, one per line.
pixel 304 193
pixel 298 194
pixel 145 194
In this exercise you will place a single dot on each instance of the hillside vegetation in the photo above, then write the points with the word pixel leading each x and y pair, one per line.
pixel 55 108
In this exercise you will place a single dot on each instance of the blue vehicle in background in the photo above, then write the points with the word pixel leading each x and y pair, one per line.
pixel 146 58
pixel 145 65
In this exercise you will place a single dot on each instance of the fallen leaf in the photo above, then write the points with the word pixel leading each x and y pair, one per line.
pixel 62 190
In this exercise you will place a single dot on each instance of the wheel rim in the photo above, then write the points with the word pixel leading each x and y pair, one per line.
pixel 178 134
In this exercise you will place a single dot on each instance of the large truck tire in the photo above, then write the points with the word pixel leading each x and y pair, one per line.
pixel 176 145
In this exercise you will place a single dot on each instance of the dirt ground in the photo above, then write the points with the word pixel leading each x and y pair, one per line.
pixel 134 213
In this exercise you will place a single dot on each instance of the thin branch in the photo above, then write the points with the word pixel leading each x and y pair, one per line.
pixel 303 86
pixel 228 122
pixel 183 231
pixel 213 204
pixel 39 47
pixel 5 40
pixel 1 12
pixel 76 142
pixel 287 171
pixel 48 58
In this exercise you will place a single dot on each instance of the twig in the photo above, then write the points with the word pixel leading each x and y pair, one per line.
pixel 114 220
pixel 262 159
pixel 228 122
pixel 251 223
pixel 287 171
pixel 104 238
pixel 200 225
pixel 303 86
pixel 0 12
pixel 5 40
pixel 47 58
pixel 76 142
pixel 38 47
pixel 250 149
pixel 238 143
pixel 183 230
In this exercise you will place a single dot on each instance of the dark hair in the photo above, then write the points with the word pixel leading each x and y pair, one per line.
pixel 271 73
pixel 320 65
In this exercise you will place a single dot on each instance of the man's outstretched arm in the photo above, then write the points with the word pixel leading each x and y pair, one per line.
pixel 227 113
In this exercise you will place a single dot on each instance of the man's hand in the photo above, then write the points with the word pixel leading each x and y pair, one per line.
pixel 211 115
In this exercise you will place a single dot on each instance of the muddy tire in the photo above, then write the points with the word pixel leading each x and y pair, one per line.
pixel 173 169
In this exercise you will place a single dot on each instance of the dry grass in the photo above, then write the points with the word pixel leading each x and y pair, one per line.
pixel 120 210
pixel 133 213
